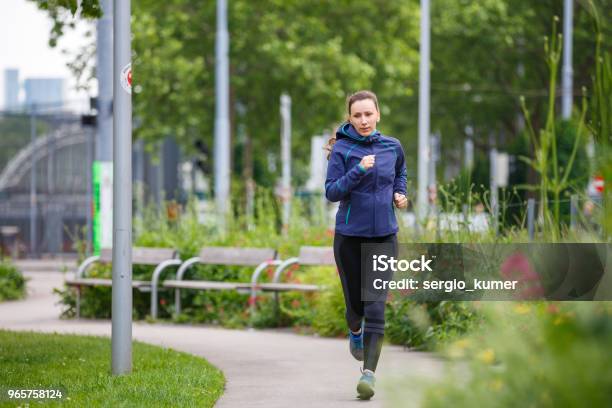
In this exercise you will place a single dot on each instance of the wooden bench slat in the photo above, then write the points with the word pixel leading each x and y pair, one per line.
pixel 189 284
pixel 312 255
pixel 103 282
pixel 142 255
pixel 235 256
pixel 284 287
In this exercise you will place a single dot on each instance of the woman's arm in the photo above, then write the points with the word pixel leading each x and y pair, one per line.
pixel 340 182
pixel 401 175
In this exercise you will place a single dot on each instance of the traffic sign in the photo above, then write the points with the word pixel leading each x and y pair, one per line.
pixel 598 183
pixel 126 78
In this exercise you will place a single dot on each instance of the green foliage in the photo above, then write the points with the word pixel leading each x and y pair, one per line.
pixel 12 282
pixel 485 55
pixel 553 172
pixel 424 325
pixel 182 230
pixel 330 309
pixel 527 353
pixel 321 312
pixel 307 57
pixel 600 118
pixel 96 301
pixel 63 13
pixel 80 365
pixel 89 8
pixel 516 197
pixel 318 54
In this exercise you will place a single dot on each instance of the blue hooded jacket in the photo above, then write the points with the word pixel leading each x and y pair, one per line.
pixel 366 196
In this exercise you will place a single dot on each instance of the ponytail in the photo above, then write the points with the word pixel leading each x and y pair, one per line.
pixel 330 143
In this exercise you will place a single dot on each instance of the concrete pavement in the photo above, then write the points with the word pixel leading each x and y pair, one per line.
pixel 263 368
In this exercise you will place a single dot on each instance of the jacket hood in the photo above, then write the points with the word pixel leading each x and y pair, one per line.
pixel 346 130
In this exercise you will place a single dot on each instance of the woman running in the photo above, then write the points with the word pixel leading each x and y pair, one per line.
pixel 367 174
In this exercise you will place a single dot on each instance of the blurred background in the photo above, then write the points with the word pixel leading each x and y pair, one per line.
pixel 499 101
pixel 507 138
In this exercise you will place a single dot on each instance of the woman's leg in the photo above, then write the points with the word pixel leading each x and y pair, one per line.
pixel 374 312
pixel 348 260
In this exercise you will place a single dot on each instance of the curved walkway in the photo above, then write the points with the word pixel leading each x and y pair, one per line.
pixel 263 368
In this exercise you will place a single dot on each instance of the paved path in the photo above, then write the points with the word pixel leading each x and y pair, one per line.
pixel 263 368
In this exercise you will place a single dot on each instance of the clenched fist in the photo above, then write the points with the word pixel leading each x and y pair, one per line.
pixel 368 161
pixel 400 200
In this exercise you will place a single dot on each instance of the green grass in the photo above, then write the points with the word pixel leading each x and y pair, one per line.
pixel 80 365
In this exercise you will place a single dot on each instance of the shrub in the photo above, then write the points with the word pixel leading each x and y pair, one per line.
pixel 424 325
pixel 547 354
pixel 12 282
pixel 96 301
pixel 321 312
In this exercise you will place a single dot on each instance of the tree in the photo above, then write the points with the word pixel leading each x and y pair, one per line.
pixel 485 55
pixel 62 13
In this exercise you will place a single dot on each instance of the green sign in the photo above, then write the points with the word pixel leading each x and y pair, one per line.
pixel 102 225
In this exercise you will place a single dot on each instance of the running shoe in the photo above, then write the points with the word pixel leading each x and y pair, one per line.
pixel 356 345
pixel 365 386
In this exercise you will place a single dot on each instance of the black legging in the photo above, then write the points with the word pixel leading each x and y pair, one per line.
pixel 347 252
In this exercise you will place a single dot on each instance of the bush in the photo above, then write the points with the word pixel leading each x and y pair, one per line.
pixel 185 232
pixel 544 354
pixel 321 312
pixel 96 301
pixel 12 282
pixel 424 325
pixel 330 309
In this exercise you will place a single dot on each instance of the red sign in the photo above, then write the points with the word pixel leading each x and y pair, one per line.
pixel 126 78
pixel 598 183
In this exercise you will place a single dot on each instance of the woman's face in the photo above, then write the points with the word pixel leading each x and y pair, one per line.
pixel 364 116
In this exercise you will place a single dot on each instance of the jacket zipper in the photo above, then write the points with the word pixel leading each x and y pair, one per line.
pixel 347 213
pixel 374 195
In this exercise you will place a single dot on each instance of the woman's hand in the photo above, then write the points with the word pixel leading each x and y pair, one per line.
pixel 368 161
pixel 400 200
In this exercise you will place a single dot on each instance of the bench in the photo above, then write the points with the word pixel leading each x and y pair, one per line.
pixel 161 258
pixel 260 258
pixel 308 256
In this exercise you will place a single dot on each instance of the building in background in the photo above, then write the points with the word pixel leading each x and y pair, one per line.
pixel 46 94
pixel 11 89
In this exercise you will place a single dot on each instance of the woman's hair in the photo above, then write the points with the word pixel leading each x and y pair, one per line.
pixel 350 100
pixel 360 96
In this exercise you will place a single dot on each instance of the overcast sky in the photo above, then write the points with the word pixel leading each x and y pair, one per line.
pixel 24 36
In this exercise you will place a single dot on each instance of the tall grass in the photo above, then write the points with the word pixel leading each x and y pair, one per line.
pixel 553 175
pixel 600 120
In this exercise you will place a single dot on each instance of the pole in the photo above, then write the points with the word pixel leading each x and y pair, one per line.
pixel 285 101
pixel 573 211
pixel 566 102
pixel 104 73
pixel 493 186
pixel 102 230
pixel 468 147
pixel 89 202
pixel 222 129
pixel 530 218
pixel 33 198
pixel 122 193
pixel 434 157
pixel 423 113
